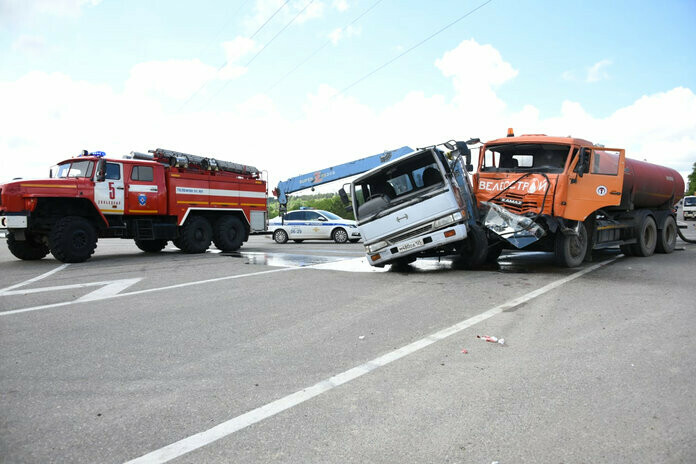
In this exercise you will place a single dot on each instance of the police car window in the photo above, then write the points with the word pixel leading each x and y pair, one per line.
pixel 332 216
pixel 311 216
pixel 113 171
pixel 143 173
pixel 292 216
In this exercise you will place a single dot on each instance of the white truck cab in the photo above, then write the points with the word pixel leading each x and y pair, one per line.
pixel 419 205
pixel 689 206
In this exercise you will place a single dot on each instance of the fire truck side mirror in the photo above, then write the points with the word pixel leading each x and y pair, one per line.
pixel 101 170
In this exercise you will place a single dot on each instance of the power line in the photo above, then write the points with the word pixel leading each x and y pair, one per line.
pixel 311 55
pixel 411 49
pixel 222 66
pixel 262 49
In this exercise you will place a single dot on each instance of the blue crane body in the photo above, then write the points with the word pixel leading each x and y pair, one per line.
pixel 323 176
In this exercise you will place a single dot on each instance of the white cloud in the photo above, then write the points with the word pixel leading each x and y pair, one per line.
pixel 13 11
pixel 30 44
pixel 179 79
pixel 340 5
pixel 47 117
pixel 597 71
pixel 344 33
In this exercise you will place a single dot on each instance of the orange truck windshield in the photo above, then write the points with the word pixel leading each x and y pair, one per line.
pixel 525 157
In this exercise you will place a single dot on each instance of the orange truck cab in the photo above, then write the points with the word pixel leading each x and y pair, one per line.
pixel 569 196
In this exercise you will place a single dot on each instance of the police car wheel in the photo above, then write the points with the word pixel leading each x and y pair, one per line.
pixel 280 236
pixel 340 236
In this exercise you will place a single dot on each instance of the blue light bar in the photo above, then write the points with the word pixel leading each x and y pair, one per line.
pixel 99 154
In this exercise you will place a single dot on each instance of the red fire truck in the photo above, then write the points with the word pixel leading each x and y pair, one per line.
pixel 151 197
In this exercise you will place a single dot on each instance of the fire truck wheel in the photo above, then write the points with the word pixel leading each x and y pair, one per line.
pixel 570 250
pixel 73 239
pixel 229 233
pixel 647 237
pixel 196 235
pixel 667 237
pixel 340 235
pixel 473 254
pixel 151 246
pixel 28 250
pixel 280 236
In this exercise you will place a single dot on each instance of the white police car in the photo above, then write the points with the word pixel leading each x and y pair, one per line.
pixel 313 224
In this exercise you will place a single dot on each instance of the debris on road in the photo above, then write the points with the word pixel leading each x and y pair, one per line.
pixel 465 351
pixel 361 337
pixel 491 339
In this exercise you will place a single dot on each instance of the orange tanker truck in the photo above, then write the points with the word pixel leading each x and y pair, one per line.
pixel 569 196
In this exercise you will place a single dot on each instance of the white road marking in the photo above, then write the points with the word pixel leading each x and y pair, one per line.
pixel 233 425
pixel 34 279
pixel 138 292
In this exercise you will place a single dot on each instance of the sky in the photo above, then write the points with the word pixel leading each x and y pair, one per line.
pixel 294 86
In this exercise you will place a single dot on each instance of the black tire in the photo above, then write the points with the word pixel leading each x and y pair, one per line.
pixel 473 255
pixel 647 237
pixel 667 236
pixel 298 240
pixel 151 246
pixel 339 235
pixel 28 250
pixel 177 242
pixel 229 233
pixel 195 235
pixel 280 236
pixel 494 252
pixel 627 250
pixel 570 250
pixel 73 239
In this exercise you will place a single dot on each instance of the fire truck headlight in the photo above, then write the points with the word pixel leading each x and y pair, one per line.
pixel 30 204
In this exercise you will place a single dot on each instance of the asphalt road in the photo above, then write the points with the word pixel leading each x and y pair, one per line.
pixel 302 353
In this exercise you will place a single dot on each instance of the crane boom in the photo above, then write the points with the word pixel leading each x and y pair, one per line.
pixel 330 174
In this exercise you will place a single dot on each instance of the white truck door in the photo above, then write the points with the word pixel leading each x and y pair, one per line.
pixel 108 195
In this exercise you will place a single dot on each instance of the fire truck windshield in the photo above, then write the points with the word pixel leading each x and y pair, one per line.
pixel 75 169
pixel 525 157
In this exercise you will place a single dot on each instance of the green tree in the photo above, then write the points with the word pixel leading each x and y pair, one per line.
pixel 691 188
pixel 326 201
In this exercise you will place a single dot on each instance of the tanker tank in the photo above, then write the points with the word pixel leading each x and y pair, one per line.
pixel 648 185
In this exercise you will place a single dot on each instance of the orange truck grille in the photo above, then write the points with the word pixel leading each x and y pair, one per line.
pixel 517 203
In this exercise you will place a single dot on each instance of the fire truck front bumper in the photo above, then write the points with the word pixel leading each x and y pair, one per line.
pixel 14 221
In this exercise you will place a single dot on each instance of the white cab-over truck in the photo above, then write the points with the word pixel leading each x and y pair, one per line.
pixel 419 205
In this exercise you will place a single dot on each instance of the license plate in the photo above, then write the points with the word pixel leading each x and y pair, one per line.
pixel 410 245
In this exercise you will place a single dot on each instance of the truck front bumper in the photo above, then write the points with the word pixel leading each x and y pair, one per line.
pixel 418 245
pixel 14 221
